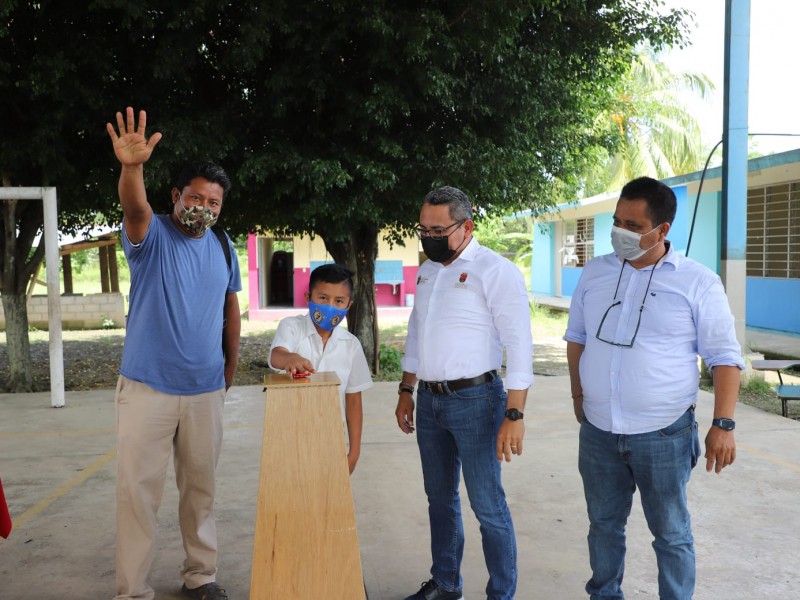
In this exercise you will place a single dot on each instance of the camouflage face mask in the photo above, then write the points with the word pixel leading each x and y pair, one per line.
pixel 196 219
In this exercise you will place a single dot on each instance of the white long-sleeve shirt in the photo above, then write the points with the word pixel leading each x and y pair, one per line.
pixel 464 314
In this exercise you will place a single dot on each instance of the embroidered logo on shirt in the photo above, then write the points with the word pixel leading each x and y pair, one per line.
pixel 463 278
pixel 421 280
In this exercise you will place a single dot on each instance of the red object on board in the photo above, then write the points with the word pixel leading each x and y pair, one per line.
pixel 5 517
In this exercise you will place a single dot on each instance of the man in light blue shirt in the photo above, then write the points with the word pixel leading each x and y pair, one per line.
pixel 638 320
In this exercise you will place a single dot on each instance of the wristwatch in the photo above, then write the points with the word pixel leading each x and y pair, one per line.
pixel 725 424
pixel 512 414
pixel 405 387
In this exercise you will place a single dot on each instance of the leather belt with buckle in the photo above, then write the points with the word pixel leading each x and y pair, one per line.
pixel 448 387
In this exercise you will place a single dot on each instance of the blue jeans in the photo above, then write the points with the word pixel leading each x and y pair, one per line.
pixel 458 432
pixel 659 463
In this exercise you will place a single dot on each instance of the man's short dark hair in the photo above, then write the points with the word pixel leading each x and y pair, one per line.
pixel 331 273
pixel 207 170
pixel 457 202
pixel 661 202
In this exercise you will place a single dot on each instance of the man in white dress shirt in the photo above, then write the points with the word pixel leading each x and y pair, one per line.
pixel 471 304
pixel 637 322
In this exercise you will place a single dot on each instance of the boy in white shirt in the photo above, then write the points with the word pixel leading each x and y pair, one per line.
pixel 313 342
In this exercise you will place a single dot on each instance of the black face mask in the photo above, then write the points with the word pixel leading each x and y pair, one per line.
pixel 437 250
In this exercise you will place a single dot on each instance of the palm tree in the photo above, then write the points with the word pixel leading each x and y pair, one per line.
pixel 656 133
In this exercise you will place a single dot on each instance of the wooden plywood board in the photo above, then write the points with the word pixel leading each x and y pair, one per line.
pixel 306 543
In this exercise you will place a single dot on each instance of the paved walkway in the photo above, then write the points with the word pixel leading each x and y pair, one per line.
pixel 58 467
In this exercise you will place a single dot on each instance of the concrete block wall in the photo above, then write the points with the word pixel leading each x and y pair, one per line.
pixel 77 312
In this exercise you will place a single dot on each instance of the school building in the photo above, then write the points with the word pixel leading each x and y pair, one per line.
pixel 279 269
pixel 571 234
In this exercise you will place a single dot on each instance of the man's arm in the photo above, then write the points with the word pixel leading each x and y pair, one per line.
pixel 354 416
pixel 574 352
pixel 720 444
pixel 230 336
pixel 511 433
pixel 507 301
pixel 133 149
pixel 404 413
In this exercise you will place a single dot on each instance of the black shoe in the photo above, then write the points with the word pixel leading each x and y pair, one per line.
pixel 430 590
pixel 209 591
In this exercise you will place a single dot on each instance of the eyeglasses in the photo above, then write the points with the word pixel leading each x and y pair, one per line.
pixel 435 233
pixel 616 303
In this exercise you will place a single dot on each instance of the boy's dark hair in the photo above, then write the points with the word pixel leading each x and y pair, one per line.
pixel 331 273
pixel 661 202
pixel 207 170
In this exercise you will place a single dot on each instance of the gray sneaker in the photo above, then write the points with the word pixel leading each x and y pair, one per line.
pixel 209 591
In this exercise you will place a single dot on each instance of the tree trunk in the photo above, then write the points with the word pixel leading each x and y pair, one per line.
pixel 358 252
pixel 20 221
pixel 20 376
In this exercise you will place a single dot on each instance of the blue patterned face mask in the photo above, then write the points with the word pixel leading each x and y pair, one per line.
pixel 326 316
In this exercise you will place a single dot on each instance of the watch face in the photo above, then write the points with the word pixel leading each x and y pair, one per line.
pixel 513 414
pixel 726 424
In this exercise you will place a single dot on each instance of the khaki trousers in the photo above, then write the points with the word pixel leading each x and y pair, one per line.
pixel 150 425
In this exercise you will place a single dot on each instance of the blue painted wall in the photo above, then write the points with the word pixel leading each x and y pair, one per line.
pixel 679 232
pixel 773 304
pixel 569 280
pixel 706 238
pixel 602 233
pixel 542 279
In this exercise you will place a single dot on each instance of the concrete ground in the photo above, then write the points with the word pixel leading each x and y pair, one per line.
pixel 57 467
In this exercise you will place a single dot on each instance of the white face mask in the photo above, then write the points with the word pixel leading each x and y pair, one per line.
pixel 626 243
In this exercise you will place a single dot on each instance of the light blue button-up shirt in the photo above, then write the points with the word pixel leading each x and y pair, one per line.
pixel 685 314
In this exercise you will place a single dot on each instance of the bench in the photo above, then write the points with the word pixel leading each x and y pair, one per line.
pixel 785 392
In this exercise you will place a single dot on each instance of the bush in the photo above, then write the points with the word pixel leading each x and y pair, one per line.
pixel 389 358
pixel 758 386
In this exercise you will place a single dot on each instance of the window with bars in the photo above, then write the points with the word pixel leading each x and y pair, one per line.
pixel 773 231
pixel 578 242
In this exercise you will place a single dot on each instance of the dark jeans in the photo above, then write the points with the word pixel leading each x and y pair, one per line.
pixel 458 432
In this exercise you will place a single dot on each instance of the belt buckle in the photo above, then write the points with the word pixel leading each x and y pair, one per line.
pixel 439 387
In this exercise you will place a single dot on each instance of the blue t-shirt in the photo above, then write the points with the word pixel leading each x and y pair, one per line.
pixel 173 339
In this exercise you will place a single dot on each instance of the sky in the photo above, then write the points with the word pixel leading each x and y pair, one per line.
pixel 774 91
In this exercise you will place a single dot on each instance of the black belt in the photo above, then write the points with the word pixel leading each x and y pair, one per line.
pixel 448 387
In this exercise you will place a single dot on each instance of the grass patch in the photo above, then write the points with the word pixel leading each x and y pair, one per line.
pixel 759 394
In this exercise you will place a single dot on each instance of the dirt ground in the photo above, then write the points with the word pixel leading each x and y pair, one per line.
pixel 92 361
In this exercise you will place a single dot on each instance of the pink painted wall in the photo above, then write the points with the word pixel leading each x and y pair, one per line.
pixel 301 278
pixel 252 272
pixel 383 296
pixel 386 295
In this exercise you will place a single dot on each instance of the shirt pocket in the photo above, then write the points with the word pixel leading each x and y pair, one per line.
pixel 667 314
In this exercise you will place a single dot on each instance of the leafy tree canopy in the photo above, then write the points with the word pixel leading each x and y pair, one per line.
pixel 326 113
pixel 333 117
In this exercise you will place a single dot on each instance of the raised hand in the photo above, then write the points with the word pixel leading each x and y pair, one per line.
pixel 131 146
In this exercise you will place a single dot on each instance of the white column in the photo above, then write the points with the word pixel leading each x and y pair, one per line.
pixel 53 296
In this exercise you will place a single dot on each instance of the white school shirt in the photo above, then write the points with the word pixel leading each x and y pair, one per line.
pixel 343 352
pixel 464 314
pixel 686 314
